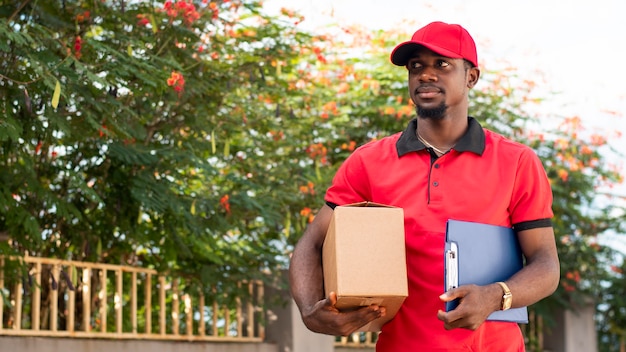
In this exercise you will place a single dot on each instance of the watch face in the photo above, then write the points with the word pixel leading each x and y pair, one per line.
pixel 507 297
pixel 506 301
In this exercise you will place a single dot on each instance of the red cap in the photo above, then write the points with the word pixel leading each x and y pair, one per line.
pixel 449 40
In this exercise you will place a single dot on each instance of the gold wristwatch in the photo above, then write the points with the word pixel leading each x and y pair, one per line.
pixel 507 298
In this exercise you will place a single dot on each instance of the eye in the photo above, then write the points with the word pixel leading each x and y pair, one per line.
pixel 414 64
pixel 443 63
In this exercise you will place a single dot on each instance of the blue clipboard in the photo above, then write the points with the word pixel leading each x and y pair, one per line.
pixel 482 254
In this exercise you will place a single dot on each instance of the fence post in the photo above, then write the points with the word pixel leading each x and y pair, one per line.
pixel 573 331
pixel 284 326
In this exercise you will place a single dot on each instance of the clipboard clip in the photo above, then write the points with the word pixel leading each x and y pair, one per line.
pixel 452 267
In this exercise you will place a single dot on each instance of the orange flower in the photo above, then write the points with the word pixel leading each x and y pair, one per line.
pixel 186 9
pixel 405 110
pixel 224 202
pixel 277 136
pixel 568 287
pixel 142 20
pixel 102 130
pixel 78 45
pixel 177 81
pixel 343 88
pixel 248 32
pixel 574 276
pixel 563 174
pixel 350 147
pixel 315 150
pixel 82 17
pixel 585 150
pixel 389 110
pixel 330 107
pixel 598 140
pixel 305 211
pixel 309 188
pixel 561 143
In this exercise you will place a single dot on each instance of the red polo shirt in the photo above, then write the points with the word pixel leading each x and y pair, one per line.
pixel 485 178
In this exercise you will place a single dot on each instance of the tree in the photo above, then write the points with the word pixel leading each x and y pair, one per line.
pixel 612 310
pixel 147 133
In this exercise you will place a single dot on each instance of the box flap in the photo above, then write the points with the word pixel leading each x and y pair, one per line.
pixel 367 204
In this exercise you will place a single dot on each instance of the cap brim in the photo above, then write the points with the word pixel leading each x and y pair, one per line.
pixel 403 52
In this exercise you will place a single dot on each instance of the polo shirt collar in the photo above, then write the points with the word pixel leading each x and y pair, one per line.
pixel 473 140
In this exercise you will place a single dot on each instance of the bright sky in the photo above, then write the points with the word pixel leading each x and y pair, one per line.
pixel 576 46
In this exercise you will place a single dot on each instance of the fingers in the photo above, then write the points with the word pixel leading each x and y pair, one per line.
pixel 455 321
pixel 471 311
pixel 454 293
pixel 326 318
pixel 332 298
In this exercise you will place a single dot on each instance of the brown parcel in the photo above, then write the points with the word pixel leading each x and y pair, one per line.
pixel 364 259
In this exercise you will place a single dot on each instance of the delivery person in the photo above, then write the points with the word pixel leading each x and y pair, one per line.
pixel 444 165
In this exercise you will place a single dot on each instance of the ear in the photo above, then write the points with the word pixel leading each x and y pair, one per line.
pixel 472 77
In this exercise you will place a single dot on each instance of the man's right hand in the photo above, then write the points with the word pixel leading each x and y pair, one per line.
pixel 325 318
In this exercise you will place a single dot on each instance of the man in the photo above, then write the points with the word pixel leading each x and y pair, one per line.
pixel 443 166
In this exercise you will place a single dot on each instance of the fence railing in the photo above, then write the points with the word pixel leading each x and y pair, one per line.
pixel 61 298
pixel 358 339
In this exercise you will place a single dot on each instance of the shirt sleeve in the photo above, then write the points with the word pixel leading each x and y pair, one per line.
pixel 532 194
pixel 351 182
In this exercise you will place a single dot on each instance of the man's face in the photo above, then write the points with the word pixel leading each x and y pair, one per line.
pixel 438 84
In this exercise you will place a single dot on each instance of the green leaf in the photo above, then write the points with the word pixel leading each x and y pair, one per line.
pixel 213 145
pixel 227 148
pixel 56 95
pixel 153 22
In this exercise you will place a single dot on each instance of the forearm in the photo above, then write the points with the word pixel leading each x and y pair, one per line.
pixel 305 271
pixel 306 276
pixel 537 280
pixel 540 276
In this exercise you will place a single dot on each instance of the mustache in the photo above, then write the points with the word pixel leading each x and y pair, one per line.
pixel 428 87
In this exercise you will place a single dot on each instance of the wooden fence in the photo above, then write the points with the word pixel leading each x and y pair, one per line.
pixel 61 298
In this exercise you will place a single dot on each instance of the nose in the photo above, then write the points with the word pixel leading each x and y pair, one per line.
pixel 428 74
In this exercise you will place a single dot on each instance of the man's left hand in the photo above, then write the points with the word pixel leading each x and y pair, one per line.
pixel 475 305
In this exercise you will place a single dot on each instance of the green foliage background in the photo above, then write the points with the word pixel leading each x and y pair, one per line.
pixel 218 180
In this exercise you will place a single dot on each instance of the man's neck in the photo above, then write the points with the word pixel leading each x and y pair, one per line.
pixel 442 133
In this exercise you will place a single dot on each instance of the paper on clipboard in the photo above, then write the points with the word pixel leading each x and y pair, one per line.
pixel 482 254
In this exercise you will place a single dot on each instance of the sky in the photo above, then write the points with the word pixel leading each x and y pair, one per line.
pixel 577 48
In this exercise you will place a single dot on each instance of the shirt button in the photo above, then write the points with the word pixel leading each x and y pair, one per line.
pixel 436 166
pixel 435 183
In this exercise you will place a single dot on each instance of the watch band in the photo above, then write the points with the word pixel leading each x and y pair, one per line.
pixel 507 297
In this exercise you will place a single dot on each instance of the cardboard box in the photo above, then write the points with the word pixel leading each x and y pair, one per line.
pixel 364 259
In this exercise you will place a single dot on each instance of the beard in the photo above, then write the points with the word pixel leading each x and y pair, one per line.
pixel 436 113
